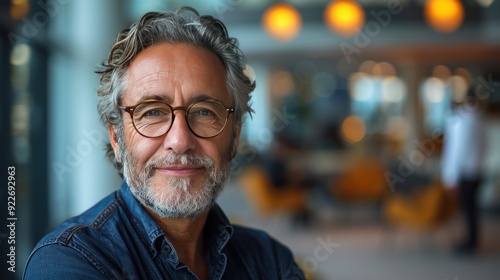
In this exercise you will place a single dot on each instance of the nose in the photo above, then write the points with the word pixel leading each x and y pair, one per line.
pixel 179 138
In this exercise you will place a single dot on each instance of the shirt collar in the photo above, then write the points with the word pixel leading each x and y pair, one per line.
pixel 218 229
pixel 147 228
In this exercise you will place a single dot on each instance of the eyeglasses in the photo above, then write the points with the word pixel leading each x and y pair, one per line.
pixel 152 118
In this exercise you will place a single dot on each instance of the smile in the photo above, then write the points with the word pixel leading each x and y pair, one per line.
pixel 179 170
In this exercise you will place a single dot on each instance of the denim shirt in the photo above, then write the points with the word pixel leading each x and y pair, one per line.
pixel 118 239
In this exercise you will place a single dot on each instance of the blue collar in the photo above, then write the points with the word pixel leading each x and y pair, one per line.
pixel 217 231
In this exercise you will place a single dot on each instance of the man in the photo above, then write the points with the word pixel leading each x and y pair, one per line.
pixel 462 164
pixel 173 93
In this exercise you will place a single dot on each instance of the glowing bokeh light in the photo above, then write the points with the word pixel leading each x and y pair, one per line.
pixel 464 73
pixel 441 72
pixel 435 90
pixel 367 67
pixel 353 129
pixel 19 9
pixel 458 88
pixel 485 3
pixel 444 15
pixel 387 69
pixel 393 89
pixel 20 55
pixel 345 17
pixel 281 83
pixel 282 22
pixel 397 128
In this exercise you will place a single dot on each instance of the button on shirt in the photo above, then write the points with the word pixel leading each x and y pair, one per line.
pixel 118 239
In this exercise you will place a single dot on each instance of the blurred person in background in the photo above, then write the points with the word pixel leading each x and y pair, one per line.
pixel 173 93
pixel 464 146
pixel 276 162
pixel 288 177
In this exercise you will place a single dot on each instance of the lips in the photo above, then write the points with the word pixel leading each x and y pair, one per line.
pixel 179 170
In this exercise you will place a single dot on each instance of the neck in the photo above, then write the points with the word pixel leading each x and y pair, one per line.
pixel 185 234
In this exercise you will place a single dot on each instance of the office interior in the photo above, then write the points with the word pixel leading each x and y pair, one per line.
pixel 353 100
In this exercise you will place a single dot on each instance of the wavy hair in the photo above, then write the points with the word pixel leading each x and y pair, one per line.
pixel 184 26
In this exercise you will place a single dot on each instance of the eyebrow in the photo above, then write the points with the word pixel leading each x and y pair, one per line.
pixel 200 97
pixel 158 97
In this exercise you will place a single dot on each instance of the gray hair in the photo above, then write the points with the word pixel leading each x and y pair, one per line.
pixel 185 26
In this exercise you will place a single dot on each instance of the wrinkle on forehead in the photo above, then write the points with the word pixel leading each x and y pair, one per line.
pixel 150 82
pixel 155 84
pixel 176 72
pixel 151 77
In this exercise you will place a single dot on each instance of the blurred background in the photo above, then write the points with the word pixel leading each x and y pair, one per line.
pixel 343 158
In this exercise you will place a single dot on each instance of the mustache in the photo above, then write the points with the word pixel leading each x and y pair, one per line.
pixel 171 158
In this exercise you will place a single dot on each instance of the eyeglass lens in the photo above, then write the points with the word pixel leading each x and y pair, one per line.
pixel 205 119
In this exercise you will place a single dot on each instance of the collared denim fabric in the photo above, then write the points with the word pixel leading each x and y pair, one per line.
pixel 118 239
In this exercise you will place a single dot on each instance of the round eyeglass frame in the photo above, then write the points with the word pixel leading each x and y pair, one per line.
pixel 130 110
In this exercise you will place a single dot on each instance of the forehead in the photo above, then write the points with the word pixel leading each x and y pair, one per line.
pixel 175 71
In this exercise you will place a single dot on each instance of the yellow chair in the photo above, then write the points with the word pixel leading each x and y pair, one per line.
pixel 424 209
pixel 421 213
pixel 363 181
pixel 266 199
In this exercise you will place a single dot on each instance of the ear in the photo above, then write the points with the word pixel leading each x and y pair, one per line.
pixel 113 140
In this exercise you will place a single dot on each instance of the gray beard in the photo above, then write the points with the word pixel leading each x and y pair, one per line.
pixel 174 198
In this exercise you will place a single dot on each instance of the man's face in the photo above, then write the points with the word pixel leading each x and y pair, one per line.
pixel 178 174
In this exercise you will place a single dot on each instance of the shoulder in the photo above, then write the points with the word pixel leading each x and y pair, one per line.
pixel 58 261
pixel 95 219
pixel 73 245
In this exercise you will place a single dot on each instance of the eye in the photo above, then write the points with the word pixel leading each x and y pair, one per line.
pixel 202 112
pixel 153 113
pixel 207 111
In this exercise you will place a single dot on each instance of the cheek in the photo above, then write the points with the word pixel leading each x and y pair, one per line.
pixel 219 148
pixel 140 147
